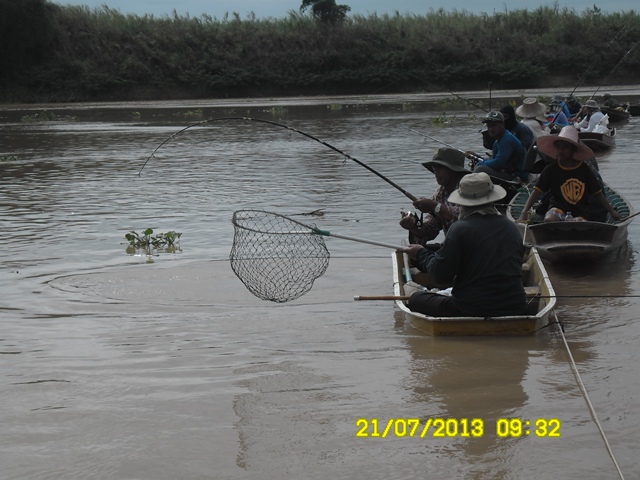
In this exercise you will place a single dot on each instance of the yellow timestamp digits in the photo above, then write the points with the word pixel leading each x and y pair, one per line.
pixel 416 427
pixel 517 427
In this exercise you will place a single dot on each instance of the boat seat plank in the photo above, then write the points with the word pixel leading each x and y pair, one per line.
pixel 532 291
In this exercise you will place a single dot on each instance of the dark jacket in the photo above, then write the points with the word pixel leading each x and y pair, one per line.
pixel 482 258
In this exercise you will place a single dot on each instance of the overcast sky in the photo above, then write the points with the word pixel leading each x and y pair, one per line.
pixel 280 8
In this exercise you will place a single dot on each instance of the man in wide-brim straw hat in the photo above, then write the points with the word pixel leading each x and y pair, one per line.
pixel 449 166
pixel 532 113
pixel 572 183
pixel 481 258
pixel 591 118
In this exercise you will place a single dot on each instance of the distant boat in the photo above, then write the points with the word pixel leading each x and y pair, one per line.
pixel 616 114
pixel 634 110
pixel 599 141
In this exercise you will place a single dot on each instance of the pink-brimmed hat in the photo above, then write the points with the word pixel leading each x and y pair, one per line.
pixel 569 134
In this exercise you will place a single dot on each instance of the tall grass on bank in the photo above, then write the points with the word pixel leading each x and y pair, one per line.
pixel 76 53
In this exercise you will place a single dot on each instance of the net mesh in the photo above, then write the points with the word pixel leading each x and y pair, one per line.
pixel 276 258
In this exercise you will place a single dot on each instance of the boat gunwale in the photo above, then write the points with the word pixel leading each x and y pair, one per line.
pixel 546 292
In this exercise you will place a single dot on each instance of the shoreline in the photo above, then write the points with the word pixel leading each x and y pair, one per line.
pixel 631 93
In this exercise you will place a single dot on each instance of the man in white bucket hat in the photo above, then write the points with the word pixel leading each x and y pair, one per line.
pixel 481 258
pixel 570 181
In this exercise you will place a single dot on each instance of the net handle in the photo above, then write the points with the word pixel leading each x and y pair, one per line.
pixel 355 239
pixel 318 231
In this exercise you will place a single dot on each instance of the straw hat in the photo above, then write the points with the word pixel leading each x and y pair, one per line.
pixel 569 134
pixel 476 189
pixel 531 108
pixel 449 157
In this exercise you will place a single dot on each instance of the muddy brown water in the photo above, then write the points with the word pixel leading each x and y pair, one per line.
pixel 120 365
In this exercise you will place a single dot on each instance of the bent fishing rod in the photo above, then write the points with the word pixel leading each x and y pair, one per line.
pixel 287 127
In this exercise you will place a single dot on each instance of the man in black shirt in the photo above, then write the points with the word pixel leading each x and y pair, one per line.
pixel 481 259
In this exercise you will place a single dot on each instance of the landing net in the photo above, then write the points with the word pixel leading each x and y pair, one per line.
pixel 277 258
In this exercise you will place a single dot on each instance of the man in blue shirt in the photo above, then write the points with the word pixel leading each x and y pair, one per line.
pixel 558 100
pixel 508 154
pixel 557 116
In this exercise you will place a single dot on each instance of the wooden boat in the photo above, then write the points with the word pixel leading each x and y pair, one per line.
pixel 540 294
pixel 599 141
pixel 616 114
pixel 575 241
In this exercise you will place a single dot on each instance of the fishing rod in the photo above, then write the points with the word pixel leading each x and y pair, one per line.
pixel 406 297
pixel 477 158
pixel 287 127
pixel 596 60
pixel 616 66
pixel 466 100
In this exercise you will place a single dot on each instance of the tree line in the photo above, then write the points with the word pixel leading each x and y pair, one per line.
pixel 57 53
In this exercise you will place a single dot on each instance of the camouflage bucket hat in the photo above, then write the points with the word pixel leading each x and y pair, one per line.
pixel 449 157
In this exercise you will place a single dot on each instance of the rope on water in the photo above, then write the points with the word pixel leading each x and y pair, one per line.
pixel 592 411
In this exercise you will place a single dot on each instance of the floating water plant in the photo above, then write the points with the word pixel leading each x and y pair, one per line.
pixel 146 242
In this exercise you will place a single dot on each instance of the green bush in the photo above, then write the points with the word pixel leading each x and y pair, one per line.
pixel 62 53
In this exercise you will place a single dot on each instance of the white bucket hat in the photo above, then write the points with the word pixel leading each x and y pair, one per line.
pixel 476 189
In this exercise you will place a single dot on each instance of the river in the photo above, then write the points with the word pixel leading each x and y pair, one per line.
pixel 118 364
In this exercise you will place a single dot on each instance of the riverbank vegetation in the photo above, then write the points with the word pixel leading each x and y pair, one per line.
pixel 54 53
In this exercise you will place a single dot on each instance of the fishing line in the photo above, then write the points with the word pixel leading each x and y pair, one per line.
pixel 287 127
pixel 475 157
pixel 616 66
pixel 592 411
pixel 458 96
pixel 596 61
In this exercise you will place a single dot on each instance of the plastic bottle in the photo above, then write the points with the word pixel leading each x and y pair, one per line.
pixel 568 217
